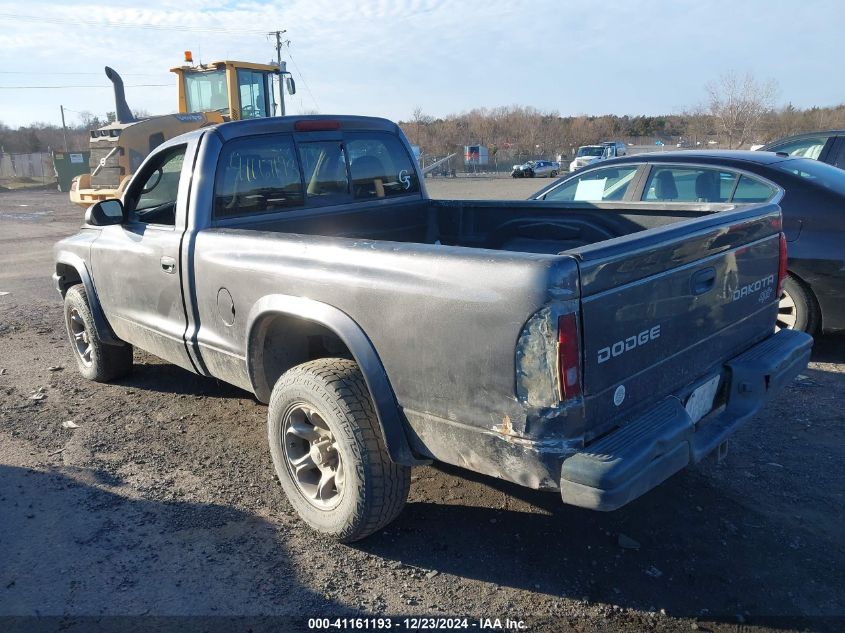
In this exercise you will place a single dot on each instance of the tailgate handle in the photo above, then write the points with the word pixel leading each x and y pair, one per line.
pixel 703 281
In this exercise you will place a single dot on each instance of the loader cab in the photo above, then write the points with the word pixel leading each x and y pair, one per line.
pixel 236 90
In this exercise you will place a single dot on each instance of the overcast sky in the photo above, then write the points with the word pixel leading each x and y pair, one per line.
pixel 388 57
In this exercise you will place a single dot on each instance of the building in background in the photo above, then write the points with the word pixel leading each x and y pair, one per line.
pixel 476 155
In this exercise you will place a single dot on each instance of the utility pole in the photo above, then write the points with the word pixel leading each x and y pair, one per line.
pixel 279 43
pixel 64 127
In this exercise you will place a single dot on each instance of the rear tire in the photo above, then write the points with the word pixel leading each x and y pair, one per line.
pixel 95 359
pixel 553 174
pixel 797 308
pixel 329 453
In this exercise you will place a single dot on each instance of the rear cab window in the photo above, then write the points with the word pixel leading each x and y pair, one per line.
pixel 258 174
pixel 379 165
pixel 275 172
pixel 324 168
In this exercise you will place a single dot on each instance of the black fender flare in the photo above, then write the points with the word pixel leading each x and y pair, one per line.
pixel 73 260
pixel 386 407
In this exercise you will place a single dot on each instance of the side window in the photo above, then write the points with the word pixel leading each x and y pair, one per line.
pixel 155 201
pixel 257 175
pixel 252 86
pixel 688 184
pixel 804 148
pixel 750 190
pixel 324 167
pixel 379 165
pixel 608 183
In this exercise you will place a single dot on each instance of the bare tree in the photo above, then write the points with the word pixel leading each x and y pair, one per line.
pixel 738 104
pixel 699 126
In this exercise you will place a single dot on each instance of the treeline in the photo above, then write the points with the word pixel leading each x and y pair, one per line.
pixel 520 131
pixel 43 137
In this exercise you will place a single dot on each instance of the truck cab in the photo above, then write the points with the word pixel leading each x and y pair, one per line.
pixel 588 154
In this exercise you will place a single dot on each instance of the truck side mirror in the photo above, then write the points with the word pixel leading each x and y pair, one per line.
pixel 105 213
pixel 291 85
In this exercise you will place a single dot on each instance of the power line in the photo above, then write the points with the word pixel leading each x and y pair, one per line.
pixel 44 72
pixel 128 25
pixel 301 76
pixel 64 87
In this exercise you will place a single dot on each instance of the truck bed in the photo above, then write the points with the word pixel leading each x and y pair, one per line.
pixel 518 226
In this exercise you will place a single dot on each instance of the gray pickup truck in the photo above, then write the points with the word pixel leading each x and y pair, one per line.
pixel 591 350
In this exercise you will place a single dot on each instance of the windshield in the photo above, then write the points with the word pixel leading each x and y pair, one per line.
pixel 590 150
pixel 206 91
pixel 816 172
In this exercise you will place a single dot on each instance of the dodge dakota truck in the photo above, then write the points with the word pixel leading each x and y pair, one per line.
pixel 588 349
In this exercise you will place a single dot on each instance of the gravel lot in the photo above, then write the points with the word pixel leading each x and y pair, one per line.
pixel 163 502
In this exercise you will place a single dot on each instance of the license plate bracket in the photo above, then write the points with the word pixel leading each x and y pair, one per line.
pixel 700 401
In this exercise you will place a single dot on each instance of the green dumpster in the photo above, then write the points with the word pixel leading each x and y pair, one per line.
pixel 67 165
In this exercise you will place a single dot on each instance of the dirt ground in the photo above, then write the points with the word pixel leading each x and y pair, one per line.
pixel 163 503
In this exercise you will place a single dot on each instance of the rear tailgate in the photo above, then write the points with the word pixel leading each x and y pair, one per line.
pixel 664 308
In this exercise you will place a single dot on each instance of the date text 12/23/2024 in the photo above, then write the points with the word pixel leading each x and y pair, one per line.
pixel 416 624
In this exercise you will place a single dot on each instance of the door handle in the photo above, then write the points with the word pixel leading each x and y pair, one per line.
pixel 703 281
pixel 168 265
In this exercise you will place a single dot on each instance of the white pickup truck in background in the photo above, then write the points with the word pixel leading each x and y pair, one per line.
pixel 588 154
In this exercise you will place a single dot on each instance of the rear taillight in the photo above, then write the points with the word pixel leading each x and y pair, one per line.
pixel 782 266
pixel 568 357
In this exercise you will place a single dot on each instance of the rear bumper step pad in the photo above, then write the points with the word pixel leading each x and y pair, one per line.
pixel 645 452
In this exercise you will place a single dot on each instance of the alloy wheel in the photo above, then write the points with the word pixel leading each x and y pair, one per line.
pixel 81 338
pixel 312 456
pixel 787 312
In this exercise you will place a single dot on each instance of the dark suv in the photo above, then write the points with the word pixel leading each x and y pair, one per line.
pixel 827 146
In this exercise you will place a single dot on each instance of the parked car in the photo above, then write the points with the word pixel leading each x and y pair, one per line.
pixel 812 200
pixel 536 169
pixel 300 258
pixel 827 146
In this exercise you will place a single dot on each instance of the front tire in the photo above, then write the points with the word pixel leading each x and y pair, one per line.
pixel 95 359
pixel 797 307
pixel 553 174
pixel 329 453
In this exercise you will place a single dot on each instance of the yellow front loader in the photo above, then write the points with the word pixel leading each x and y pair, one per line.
pixel 208 94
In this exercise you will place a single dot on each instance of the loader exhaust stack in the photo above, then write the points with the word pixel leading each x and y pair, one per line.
pixel 121 108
